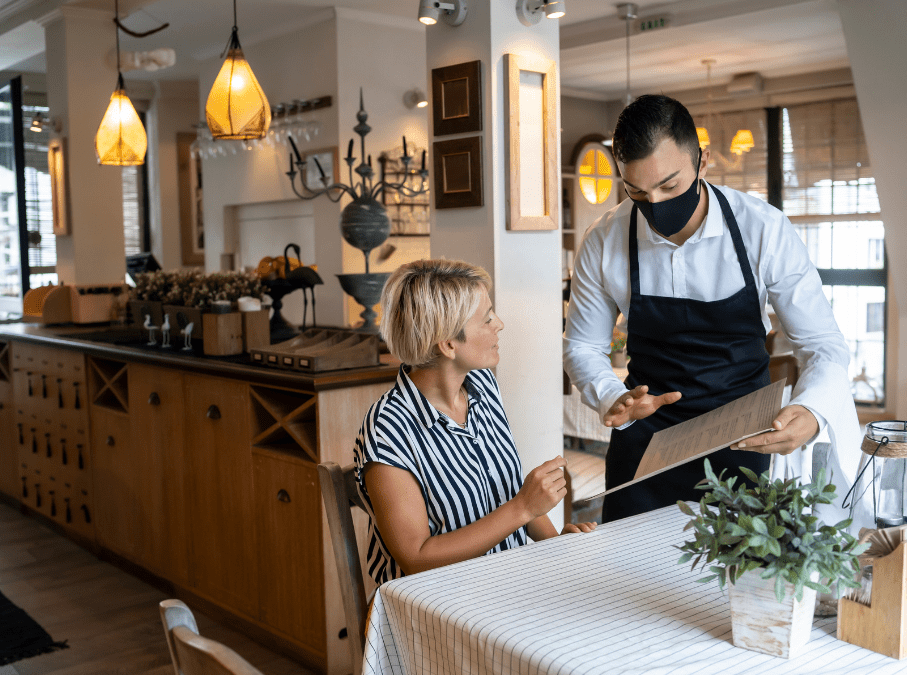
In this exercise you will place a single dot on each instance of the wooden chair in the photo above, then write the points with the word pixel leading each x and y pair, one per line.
pixel 338 488
pixel 191 653
pixel 783 365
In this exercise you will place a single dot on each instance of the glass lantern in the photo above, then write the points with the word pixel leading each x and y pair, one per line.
pixel 881 483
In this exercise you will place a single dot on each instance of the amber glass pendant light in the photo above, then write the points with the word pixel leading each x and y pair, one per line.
pixel 237 108
pixel 121 138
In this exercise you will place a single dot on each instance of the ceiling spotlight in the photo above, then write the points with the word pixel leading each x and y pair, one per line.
pixel 529 12
pixel 415 98
pixel 451 12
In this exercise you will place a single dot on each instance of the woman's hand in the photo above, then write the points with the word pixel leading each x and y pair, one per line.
pixel 571 528
pixel 543 488
pixel 637 404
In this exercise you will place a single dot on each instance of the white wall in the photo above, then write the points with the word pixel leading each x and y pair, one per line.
pixel 873 30
pixel 174 109
pixel 525 266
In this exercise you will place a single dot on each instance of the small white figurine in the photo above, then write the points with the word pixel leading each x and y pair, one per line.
pixel 165 331
pixel 151 328
pixel 187 332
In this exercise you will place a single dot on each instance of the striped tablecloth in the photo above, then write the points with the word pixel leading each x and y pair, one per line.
pixel 611 601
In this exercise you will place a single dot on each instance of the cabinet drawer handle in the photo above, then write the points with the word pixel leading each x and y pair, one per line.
pixel 154 399
pixel 30 392
pixel 110 441
pixel 78 403
pixel 214 412
pixel 283 496
pixel 87 514
pixel 59 393
pixel 44 386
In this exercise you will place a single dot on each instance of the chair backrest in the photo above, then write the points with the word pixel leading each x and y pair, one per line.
pixel 338 488
pixel 193 654
pixel 783 366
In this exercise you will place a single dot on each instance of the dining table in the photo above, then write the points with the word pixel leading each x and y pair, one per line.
pixel 614 600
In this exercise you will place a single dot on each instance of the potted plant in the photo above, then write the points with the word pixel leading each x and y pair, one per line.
pixel 765 541
pixel 148 296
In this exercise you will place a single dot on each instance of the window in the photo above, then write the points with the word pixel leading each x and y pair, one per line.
pixel 746 172
pixel 595 176
pixel 830 196
pixel 135 205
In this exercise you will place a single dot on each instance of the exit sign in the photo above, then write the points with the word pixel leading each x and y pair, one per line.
pixel 653 23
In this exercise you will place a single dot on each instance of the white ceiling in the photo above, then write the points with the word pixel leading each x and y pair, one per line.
pixel 774 37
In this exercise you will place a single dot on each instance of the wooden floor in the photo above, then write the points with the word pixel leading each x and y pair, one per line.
pixel 109 617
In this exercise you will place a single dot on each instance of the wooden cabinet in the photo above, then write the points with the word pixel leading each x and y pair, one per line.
pixel 119 511
pixel 49 423
pixel 156 413
pixel 218 485
pixel 288 528
pixel 9 460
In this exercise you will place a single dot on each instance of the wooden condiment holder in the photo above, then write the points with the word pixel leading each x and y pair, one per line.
pixel 882 625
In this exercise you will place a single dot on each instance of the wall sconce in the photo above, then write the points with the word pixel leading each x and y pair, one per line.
pixel 39 123
pixel 451 12
pixel 415 98
pixel 529 12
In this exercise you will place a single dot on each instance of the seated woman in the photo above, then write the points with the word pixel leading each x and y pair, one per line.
pixel 437 465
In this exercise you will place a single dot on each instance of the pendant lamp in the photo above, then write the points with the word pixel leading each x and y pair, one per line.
pixel 742 141
pixel 121 139
pixel 237 108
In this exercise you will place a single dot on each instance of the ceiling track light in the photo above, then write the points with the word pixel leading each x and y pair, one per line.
pixel 451 12
pixel 529 12
pixel 415 98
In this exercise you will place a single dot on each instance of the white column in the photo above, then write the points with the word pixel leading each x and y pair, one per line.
pixel 873 30
pixel 525 266
pixel 80 80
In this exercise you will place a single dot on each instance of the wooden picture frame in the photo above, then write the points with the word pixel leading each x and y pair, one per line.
pixel 192 222
pixel 329 159
pixel 56 168
pixel 457 168
pixel 457 98
pixel 530 130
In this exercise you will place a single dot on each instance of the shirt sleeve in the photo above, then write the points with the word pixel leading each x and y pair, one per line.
pixel 591 316
pixel 823 386
pixel 379 441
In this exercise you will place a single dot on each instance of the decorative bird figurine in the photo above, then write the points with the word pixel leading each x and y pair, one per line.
pixel 306 278
pixel 165 331
pixel 187 333
pixel 151 328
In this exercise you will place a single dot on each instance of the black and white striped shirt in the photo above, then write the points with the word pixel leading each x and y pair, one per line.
pixel 465 474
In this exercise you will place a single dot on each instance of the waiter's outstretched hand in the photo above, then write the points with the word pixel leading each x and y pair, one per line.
pixel 637 404
pixel 794 426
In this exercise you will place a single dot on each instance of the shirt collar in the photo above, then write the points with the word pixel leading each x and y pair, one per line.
pixel 416 402
pixel 712 226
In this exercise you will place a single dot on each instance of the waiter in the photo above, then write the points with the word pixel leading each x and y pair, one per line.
pixel 691 266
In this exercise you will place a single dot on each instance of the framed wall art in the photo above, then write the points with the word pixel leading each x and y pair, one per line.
pixel 56 167
pixel 530 132
pixel 458 173
pixel 192 221
pixel 457 98
pixel 328 160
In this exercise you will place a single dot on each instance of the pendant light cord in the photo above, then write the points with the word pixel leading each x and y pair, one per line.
pixel 627 20
pixel 116 11
pixel 235 22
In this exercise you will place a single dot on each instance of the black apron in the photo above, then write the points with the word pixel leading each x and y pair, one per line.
pixel 711 352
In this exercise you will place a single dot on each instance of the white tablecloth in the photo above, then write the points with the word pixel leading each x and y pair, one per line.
pixel 611 601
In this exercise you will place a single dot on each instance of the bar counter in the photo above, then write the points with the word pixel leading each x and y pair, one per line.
pixel 197 473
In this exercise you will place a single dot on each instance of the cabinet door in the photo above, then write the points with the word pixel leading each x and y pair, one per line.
pixel 288 526
pixel 223 561
pixel 9 441
pixel 119 518
pixel 156 412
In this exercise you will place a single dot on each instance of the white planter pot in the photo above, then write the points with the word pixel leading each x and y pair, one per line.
pixel 762 624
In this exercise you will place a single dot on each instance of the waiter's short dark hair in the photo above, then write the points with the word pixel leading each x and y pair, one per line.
pixel 649 119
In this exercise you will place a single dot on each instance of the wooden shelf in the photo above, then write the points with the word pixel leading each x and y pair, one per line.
pixel 285 420
pixel 108 384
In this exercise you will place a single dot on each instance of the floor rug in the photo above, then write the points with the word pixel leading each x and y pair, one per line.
pixel 20 636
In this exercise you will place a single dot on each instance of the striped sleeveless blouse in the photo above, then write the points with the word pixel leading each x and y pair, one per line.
pixel 465 474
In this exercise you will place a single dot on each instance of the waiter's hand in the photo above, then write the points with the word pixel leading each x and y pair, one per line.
pixel 637 404
pixel 794 426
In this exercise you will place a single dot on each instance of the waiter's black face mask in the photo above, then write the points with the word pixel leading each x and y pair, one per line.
pixel 669 217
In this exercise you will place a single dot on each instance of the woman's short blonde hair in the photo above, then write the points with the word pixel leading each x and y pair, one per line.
pixel 427 302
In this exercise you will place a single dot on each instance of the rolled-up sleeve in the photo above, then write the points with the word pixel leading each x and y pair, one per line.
pixel 591 316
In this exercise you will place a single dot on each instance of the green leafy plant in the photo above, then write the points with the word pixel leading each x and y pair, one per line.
pixel 770 527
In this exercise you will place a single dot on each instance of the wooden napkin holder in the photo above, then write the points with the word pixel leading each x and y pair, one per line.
pixel 882 625
pixel 320 349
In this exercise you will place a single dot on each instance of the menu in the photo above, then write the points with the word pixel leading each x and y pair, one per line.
pixel 747 416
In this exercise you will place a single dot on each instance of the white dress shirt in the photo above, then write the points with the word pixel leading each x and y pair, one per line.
pixel 706 268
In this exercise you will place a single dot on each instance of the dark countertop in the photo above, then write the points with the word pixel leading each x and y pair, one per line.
pixel 129 344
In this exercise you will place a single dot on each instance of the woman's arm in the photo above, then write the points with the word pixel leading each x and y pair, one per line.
pixel 402 520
